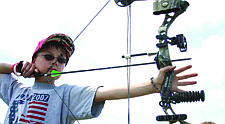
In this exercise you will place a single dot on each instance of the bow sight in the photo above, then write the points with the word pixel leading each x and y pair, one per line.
pixel 179 40
pixel 172 9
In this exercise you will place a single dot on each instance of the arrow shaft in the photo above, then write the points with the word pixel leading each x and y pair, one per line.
pixel 114 67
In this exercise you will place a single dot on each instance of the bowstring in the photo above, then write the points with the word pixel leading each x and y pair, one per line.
pixel 91 20
pixel 76 120
pixel 62 100
pixel 129 59
pixel 58 93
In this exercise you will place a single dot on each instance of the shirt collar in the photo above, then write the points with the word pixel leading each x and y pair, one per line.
pixel 43 86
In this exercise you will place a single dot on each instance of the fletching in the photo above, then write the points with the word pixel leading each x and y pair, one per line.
pixel 55 73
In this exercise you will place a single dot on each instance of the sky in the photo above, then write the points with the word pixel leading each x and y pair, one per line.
pixel 23 23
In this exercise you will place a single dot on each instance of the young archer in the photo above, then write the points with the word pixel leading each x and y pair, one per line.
pixel 40 103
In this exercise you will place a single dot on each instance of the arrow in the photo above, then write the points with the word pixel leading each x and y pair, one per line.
pixel 55 73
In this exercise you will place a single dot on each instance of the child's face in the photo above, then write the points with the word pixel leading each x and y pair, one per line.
pixel 43 64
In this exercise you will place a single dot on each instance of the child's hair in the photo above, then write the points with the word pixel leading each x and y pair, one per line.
pixel 57 45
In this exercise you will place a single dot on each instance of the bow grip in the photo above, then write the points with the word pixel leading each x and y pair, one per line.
pixel 162 60
pixel 166 85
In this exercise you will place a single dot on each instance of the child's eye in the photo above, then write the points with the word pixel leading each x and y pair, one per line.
pixel 49 57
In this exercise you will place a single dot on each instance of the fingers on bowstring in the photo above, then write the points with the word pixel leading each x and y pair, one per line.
pixel 177 71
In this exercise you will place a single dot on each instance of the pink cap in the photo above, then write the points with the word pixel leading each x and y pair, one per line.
pixel 65 40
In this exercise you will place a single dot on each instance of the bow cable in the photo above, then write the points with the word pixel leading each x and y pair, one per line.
pixel 91 20
pixel 128 59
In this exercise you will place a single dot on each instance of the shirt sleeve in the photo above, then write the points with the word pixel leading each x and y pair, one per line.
pixel 8 83
pixel 81 103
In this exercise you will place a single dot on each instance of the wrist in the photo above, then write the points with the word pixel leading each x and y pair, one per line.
pixel 15 69
pixel 157 88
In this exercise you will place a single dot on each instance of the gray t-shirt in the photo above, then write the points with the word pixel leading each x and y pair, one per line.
pixel 40 104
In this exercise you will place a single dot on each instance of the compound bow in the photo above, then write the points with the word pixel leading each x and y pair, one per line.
pixel 172 9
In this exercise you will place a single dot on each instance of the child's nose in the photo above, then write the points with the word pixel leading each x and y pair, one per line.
pixel 55 61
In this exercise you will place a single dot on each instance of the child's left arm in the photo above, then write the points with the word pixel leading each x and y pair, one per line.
pixel 104 93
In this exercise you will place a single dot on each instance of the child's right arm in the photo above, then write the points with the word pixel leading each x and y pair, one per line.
pixel 27 68
pixel 5 68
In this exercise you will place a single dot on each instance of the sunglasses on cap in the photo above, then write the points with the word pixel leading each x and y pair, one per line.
pixel 50 57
